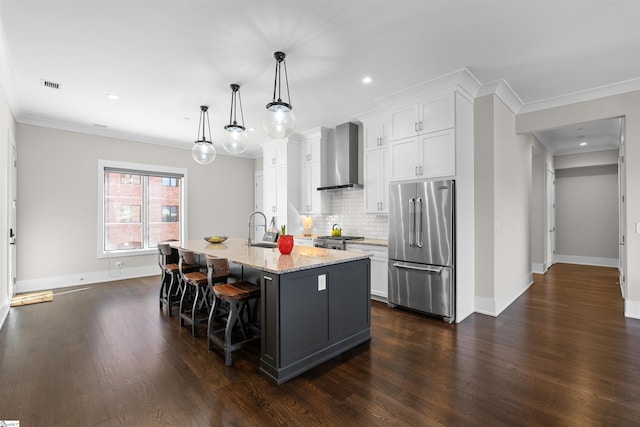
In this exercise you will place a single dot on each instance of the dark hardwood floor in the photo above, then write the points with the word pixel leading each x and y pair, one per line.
pixel 562 354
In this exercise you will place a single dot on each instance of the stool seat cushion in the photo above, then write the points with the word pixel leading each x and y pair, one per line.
pixel 170 268
pixel 196 278
pixel 236 291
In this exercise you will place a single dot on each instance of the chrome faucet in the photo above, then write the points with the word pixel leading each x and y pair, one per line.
pixel 252 225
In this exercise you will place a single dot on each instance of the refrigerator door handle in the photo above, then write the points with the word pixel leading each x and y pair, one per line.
pixel 412 267
pixel 412 221
pixel 418 215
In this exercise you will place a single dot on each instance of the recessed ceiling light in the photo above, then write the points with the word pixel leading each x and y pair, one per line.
pixel 366 80
pixel 582 144
pixel 112 96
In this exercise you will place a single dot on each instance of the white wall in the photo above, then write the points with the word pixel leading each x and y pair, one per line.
pixel 587 215
pixel 594 158
pixel 7 127
pixel 57 213
pixel 625 105
pixel 503 197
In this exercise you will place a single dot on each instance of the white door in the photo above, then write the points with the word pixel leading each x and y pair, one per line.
pixel 622 218
pixel 12 207
pixel 551 219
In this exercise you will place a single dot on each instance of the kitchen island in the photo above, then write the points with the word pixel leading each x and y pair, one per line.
pixel 315 303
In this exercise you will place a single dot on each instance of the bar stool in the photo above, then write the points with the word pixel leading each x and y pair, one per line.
pixel 170 289
pixel 196 294
pixel 237 297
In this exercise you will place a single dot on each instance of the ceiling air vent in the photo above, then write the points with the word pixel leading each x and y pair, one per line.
pixel 51 85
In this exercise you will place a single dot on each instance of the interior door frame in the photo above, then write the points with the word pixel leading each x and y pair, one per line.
pixel 12 195
pixel 550 240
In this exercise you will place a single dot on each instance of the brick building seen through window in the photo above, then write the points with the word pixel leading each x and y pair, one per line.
pixel 135 202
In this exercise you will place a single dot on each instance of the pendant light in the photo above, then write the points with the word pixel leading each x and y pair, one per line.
pixel 203 151
pixel 235 140
pixel 279 121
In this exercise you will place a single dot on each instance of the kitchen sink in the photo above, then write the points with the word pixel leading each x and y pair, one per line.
pixel 265 245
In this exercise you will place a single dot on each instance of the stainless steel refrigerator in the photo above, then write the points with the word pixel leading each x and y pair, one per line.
pixel 421 247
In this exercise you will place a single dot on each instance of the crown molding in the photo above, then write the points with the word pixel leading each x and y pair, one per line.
pixel 505 92
pixel 618 88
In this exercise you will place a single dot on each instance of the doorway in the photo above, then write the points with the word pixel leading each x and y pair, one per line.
pixel 12 169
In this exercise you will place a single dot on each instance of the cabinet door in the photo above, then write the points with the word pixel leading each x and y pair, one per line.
pixel 376 181
pixel 306 201
pixel 379 277
pixel 372 181
pixel 304 314
pixel 376 134
pixel 281 191
pixel 405 159
pixel 404 122
pixel 438 154
pixel 437 114
pixel 349 300
pixel 274 154
pixel 270 196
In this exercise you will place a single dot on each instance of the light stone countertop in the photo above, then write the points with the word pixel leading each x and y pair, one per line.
pixel 271 260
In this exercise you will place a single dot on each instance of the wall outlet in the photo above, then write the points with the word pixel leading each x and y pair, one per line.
pixel 118 264
pixel 322 282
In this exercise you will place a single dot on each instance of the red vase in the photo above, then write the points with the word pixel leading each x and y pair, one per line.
pixel 285 243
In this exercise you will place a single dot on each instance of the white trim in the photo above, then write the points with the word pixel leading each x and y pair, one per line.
pixel 4 312
pixel 582 96
pixel 505 92
pixel 47 283
pixel 493 307
pixel 102 164
pixel 632 309
pixel 585 260
pixel 538 268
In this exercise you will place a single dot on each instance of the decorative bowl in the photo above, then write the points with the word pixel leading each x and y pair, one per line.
pixel 216 239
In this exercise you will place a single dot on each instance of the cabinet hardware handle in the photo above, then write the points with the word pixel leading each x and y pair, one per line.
pixel 421 125
pixel 273 160
pixel 308 157
pixel 415 127
pixel 409 267
pixel 268 278
pixel 421 171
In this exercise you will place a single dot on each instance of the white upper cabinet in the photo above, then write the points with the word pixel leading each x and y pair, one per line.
pixel 376 133
pixel 312 164
pixel 431 155
pixel 274 154
pixel 434 114
pixel 376 181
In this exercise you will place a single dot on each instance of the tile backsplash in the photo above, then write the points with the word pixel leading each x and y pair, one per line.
pixel 347 210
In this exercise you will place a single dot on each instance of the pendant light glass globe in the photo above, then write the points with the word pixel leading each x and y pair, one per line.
pixel 235 140
pixel 203 152
pixel 279 121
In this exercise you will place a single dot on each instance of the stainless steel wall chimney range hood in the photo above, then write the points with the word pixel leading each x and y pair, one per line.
pixel 342 169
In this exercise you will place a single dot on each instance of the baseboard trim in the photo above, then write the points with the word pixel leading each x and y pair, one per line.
pixel 632 309
pixel 538 268
pixel 84 278
pixel 585 260
pixel 495 306
pixel 4 312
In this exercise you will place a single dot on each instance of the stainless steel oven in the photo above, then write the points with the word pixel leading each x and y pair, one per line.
pixel 334 242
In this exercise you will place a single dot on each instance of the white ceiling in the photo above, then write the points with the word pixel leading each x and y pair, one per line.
pixel 165 58
pixel 597 135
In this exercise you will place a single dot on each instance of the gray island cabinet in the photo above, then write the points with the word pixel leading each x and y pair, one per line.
pixel 315 303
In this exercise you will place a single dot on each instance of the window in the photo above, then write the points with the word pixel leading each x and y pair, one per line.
pixel 170 213
pixel 140 205
pixel 169 182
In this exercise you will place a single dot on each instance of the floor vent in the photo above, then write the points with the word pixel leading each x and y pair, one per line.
pixel 52 85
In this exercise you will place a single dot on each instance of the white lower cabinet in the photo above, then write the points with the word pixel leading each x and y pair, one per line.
pixel 379 268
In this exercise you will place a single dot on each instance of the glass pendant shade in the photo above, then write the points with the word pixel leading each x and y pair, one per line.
pixel 279 121
pixel 203 150
pixel 236 138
